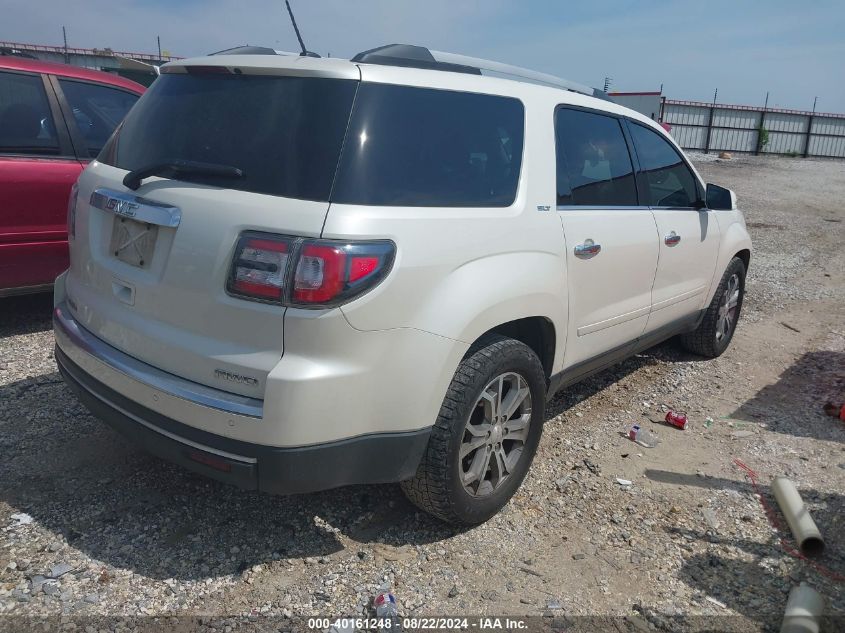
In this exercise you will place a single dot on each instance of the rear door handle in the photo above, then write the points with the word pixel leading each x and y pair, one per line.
pixel 672 239
pixel 587 250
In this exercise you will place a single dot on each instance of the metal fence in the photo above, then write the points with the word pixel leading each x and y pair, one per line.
pixel 710 127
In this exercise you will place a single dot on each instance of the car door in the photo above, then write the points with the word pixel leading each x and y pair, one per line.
pixel 611 240
pixel 688 231
pixel 37 170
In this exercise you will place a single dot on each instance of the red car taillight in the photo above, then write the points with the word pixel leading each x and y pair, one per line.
pixel 259 268
pixel 304 272
pixel 320 273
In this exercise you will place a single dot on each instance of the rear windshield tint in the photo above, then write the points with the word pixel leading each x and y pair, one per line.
pixel 422 147
pixel 284 133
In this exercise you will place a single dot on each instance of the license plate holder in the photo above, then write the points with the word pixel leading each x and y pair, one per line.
pixel 133 242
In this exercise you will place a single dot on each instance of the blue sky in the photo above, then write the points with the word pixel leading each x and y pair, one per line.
pixel 795 50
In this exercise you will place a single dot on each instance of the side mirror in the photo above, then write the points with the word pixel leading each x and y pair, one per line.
pixel 720 199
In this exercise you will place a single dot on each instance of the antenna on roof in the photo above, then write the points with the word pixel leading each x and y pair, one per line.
pixel 305 52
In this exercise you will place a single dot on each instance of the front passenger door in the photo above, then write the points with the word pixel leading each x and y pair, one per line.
pixel 688 231
pixel 611 241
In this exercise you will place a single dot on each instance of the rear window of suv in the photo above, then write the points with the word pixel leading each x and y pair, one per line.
pixel 404 146
pixel 285 133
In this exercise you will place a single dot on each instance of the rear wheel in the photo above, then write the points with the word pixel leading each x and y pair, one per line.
pixel 486 433
pixel 717 328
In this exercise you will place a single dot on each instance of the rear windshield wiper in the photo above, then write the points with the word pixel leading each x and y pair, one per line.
pixel 133 178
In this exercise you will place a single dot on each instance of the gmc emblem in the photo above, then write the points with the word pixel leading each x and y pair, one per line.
pixel 122 207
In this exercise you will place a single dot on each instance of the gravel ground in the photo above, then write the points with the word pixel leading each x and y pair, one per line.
pixel 91 527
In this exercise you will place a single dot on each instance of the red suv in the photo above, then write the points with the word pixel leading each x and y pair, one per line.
pixel 53 120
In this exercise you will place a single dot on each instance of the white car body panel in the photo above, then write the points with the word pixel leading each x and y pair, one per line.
pixel 609 293
pixel 181 319
pixel 684 271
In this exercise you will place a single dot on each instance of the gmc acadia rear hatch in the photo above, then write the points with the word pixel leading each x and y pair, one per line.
pixel 216 150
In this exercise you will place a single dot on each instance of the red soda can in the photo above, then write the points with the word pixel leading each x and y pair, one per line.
pixel 678 420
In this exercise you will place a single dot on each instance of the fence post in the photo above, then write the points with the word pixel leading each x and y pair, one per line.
pixel 760 129
pixel 809 134
pixel 709 130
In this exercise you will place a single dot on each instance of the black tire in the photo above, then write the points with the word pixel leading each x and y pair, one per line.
pixel 437 486
pixel 705 340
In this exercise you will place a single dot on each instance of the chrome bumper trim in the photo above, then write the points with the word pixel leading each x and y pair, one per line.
pixel 73 339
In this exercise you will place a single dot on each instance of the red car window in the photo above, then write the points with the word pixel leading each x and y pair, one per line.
pixel 26 124
pixel 97 110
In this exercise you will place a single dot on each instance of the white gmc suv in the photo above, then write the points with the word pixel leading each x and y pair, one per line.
pixel 293 273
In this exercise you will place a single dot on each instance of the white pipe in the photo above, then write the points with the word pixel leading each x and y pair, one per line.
pixel 803 610
pixel 806 533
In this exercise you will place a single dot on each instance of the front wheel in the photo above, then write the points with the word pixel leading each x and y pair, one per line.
pixel 486 434
pixel 717 328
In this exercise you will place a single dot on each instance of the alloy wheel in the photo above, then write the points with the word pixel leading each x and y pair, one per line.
pixel 728 305
pixel 495 434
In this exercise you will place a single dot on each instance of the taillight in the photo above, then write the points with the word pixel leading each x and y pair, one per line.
pixel 306 273
pixel 259 268
pixel 320 273
pixel 71 211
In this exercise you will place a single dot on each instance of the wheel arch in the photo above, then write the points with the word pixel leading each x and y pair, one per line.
pixel 745 256
pixel 735 242
pixel 537 332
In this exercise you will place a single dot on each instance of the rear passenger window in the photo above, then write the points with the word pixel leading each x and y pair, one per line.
pixel 593 164
pixel 670 181
pixel 97 110
pixel 26 123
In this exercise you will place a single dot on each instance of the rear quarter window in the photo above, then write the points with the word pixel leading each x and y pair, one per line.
pixel 421 147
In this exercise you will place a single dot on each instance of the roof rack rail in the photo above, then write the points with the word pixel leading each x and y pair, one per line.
pixel 492 68
pixel 410 56
pixel 420 57
pixel 252 50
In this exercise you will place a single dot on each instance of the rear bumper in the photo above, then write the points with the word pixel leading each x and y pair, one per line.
pixel 369 459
